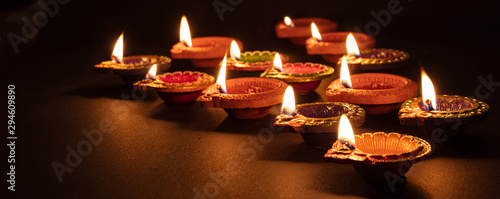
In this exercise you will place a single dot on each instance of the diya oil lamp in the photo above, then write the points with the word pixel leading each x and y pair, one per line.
pixel 245 97
pixel 332 46
pixel 202 51
pixel 372 59
pixel 317 123
pixel 179 87
pixel 303 77
pixel 251 63
pixel 297 30
pixel 377 93
pixel 373 155
pixel 450 114
pixel 132 68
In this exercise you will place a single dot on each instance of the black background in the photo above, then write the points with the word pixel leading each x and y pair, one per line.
pixel 159 151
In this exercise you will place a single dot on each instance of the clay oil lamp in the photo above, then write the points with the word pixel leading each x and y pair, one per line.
pixel 202 51
pixel 132 68
pixel 332 46
pixel 377 155
pixel 251 63
pixel 245 97
pixel 442 114
pixel 297 30
pixel 303 77
pixel 377 93
pixel 317 123
pixel 178 87
pixel 372 59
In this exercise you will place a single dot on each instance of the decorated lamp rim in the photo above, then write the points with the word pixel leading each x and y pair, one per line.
pixel 326 72
pixel 255 66
pixel 411 109
pixel 359 157
pixel 355 114
pixel 162 86
pixel 160 60
pixel 369 61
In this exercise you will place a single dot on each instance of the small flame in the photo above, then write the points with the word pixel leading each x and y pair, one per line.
pixel 428 93
pixel 185 34
pixel 315 32
pixel 152 72
pixel 352 46
pixel 221 79
pixel 346 134
pixel 277 63
pixel 235 50
pixel 117 55
pixel 345 77
pixel 289 22
pixel 288 107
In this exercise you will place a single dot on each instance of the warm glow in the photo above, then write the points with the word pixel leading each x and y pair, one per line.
pixel 117 55
pixel 185 33
pixel 351 45
pixel 235 50
pixel 345 130
pixel 345 77
pixel 152 72
pixel 289 22
pixel 428 93
pixel 288 106
pixel 315 32
pixel 277 63
pixel 221 79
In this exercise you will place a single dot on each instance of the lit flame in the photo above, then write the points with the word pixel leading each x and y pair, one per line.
pixel 428 93
pixel 345 77
pixel 235 50
pixel 152 72
pixel 277 63
pixel 289 22
pixel 288 107
pixel 117 55
pixel 185 33
pixel 315 32
pixel 221 79
pixel 352 46
pixel 346 133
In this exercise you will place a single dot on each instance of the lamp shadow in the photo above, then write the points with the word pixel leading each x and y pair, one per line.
pixel 245 126
pixel 469 145
pixel 122 92
pixel 191 115
pixel 306 153
pixel 352 184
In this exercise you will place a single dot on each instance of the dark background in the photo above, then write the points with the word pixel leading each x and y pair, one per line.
pixel 160 151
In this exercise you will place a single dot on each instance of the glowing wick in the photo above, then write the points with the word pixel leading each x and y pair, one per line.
pixel 289 22
pixel 220 84
pixel 152 73
pixel 428 93
pixel 345 78
pixel 117 55
pixel 352 46
pixel 345 141
pixel 315 32
pixel 288 107
pixel 277 63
